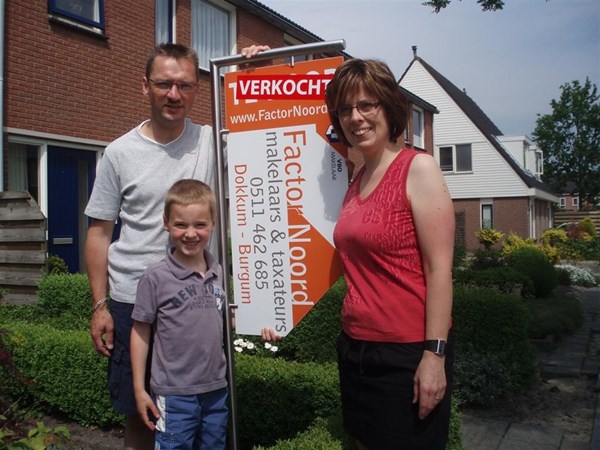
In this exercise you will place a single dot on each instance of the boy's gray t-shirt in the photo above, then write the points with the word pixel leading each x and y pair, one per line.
pixel 133 177
pixel 186 311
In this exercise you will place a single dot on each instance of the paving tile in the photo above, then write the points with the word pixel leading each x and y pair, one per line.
pixel 531 437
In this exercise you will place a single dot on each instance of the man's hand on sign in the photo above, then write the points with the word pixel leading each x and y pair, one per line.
pixel 249 52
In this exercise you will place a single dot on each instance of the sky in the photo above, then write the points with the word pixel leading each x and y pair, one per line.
pixel 511 62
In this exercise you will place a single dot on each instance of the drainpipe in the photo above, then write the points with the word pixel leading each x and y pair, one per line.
pixel 2 41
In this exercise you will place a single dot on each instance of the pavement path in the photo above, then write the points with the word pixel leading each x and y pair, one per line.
pixel 577 355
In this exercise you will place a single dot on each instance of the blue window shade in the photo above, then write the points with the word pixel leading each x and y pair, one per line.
pixel 164 21
pixel 88 12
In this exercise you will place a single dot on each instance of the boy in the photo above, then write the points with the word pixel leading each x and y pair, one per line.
pixel 179 304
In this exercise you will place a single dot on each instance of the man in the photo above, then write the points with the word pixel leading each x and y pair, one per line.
pixel 133 176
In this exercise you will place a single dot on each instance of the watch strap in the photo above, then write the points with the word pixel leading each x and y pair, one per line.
pixel 437 346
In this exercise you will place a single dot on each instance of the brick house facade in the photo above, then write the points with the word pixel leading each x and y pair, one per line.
pixel 71 88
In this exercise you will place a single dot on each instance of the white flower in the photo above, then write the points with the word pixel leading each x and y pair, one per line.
pixel 578 276
pixel 239 349
pixel 238 341
pixel 243 344
pixel 250 345
pixel 268 345
pixel 274 348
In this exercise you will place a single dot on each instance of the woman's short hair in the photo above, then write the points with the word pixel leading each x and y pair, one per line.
pixel 376 78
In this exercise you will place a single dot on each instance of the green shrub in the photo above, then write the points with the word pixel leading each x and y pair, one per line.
pixel 488 237
pixel 557 316
pixel 56 265
pixel 504 279
pixel 459 257
pixel 296 393
pixel 61 369
pixel 563 277
pixel 481 377
pixel 314 338
pixel 318 436
pixel 66 297
pixel 328 434
pixel 492 344
pixel 514 242
pixel 486 259
pixel 532 262
pixel 586 225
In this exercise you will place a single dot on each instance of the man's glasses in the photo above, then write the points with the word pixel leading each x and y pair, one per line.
pixel 166 86
pixel 364 108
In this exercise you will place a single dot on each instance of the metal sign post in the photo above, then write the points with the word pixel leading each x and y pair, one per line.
pixel 215 65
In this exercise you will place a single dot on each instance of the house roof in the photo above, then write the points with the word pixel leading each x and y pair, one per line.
pixel 483 123
pixel 416 100
pixel 302 34
pixel 290 27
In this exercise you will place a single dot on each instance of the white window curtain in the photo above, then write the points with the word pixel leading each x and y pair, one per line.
pixel 210 31
pixel 163 24
pixel 17 163
pixel 418 128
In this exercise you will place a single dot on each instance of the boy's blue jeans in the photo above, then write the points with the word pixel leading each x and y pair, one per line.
pixel 195 422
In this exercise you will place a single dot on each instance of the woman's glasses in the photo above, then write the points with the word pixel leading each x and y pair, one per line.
pixel 365 108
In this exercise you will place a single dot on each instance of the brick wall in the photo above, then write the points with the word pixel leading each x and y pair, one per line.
pixel 65 81
pixel 510 216
pixel 69 82
pixel 470 210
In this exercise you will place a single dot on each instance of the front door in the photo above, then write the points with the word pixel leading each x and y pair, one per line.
pixel 70 179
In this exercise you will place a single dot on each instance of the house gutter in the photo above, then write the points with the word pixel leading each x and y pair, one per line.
pixel 2 95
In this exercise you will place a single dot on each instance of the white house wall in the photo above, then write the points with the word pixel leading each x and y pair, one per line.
pixel 492 176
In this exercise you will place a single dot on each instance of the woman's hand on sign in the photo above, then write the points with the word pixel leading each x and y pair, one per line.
pixel 269 334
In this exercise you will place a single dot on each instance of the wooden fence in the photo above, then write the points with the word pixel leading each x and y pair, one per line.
pixel 561 217
pixel 23 248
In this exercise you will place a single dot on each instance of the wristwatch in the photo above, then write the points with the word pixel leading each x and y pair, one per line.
pixel 437 346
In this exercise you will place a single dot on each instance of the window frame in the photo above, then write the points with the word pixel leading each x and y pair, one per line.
pixel 539 162
pixel 489 206
pixel 165 24
pixel 454 155
pixel 575 201
pixel 289 41
pixel 418 139
pixel 204 61
pixel 562 202
pixel 60 13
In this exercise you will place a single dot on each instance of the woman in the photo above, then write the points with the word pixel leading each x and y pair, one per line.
pixel 395 239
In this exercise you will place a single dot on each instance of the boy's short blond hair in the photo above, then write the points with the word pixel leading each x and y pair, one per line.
pixel 188 191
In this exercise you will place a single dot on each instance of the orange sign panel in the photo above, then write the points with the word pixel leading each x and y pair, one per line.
pixel 287 180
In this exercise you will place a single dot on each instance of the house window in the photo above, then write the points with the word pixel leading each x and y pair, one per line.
pixel 539 163
pixel 23 168
pixel 86 12
pixel 487 218
pixel 456 158
pixel 165 21
pixel 418 128
pixel 289 41
pixel 213 30
pixel 576 201
pixel 562 203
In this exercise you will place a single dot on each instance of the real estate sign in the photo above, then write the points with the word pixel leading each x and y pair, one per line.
pixel 287 179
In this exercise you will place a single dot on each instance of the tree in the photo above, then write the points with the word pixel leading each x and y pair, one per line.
pixel 486 5
pixel 570 140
